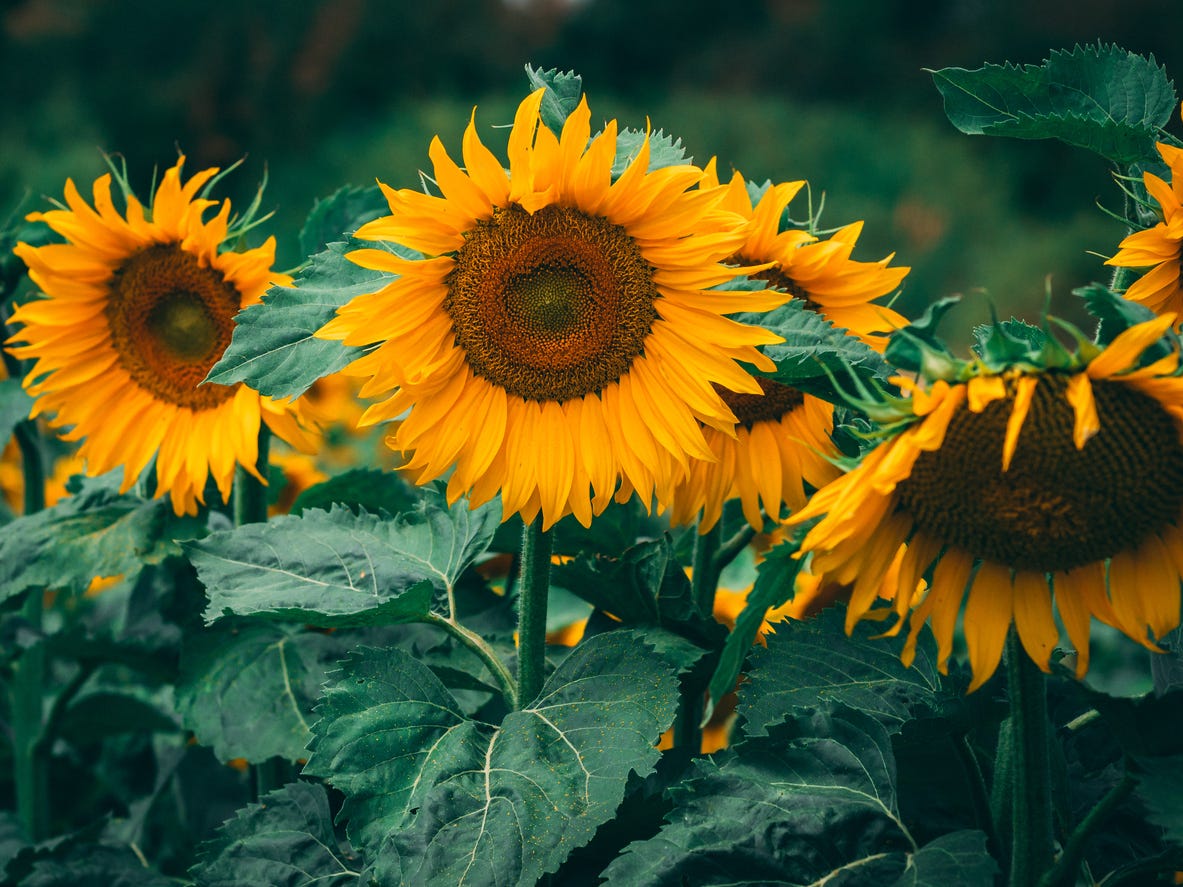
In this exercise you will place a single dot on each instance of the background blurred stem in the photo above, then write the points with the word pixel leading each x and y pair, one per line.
pixel 532 601
pixel 30 760
pixel 1031 796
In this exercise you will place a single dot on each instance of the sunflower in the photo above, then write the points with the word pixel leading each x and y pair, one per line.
pixel 1019 485
pixel 555 342
pixel 137 309
pixel 781 444
pixel 1161 246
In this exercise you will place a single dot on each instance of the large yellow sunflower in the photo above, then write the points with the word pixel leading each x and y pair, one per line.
pixel 1161 246
pixel 556 342
pixel 137 308
pixel 1020 486
pixel 781 445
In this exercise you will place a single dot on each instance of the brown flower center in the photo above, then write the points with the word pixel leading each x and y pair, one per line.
pixel 777 400
pixel 1057 507
pixel 777 278
pixel 550 305
pixel 170 321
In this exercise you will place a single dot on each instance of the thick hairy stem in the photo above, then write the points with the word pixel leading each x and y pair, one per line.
pixel 1031 794
pixel 250 494
pixel 532 601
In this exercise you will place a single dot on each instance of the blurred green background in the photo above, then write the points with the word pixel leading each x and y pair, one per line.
pixel 343 92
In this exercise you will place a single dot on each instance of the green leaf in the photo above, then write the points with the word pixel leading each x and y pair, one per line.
pixel 285 841
pixel 446 801
pixel 645 586
pixel 338 568
pixel 814 662
pixel 664 150
pixel 1101 97
pixel 958 859
pixel 1160 786
pixel 775 578
pixel 360 489
pixel 1147 726
pixel 95 532
pixel 917 348
pixel 1008 343
pixel 563 90
pixel 337 216
pixel 247 689
pixel 813 799
pixel 1116 314
pixel 814 352
pixel 70 863
pixel 273 349
pixel 14 407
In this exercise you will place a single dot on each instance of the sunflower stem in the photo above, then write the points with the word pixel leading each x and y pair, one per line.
pixel 1030 787
pixel 732 548
pixel 269 775
pixel 1122 277
pixel 478 645
pixel 707 568
pixel 1063 874
pixel 704 582
pixel 532 600
pixel 30 762
pixel 250 494
pixel 29 759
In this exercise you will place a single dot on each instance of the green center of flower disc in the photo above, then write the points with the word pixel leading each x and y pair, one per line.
pixel 777 401
pixel 170 320
pixel 550 305
pixel 1057 507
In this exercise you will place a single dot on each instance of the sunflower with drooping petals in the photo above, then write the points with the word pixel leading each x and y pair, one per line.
pixel 1020 485
pixel 1159 248
pixel 557 342
pixel 138 307
pixel 781 446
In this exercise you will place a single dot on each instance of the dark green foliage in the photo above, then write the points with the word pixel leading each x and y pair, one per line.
pixel 775 578
pixel 445 800
pixel 247 689
pixel 14 406
pixel 95 532
pixel 812 663
pixel 812 800
pixel 286 840
pixel 361 489
pixel 339 568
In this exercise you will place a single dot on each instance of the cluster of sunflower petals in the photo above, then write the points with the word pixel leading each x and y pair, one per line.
pixel 138 306
pixel 1159 248
pixel 1019 491
pixel 564 341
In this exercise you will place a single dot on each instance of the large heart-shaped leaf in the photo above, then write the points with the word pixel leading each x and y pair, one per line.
pixel 442 800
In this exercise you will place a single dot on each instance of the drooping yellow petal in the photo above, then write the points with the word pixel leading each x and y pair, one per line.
pixel 1024 390
pixel 988 612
